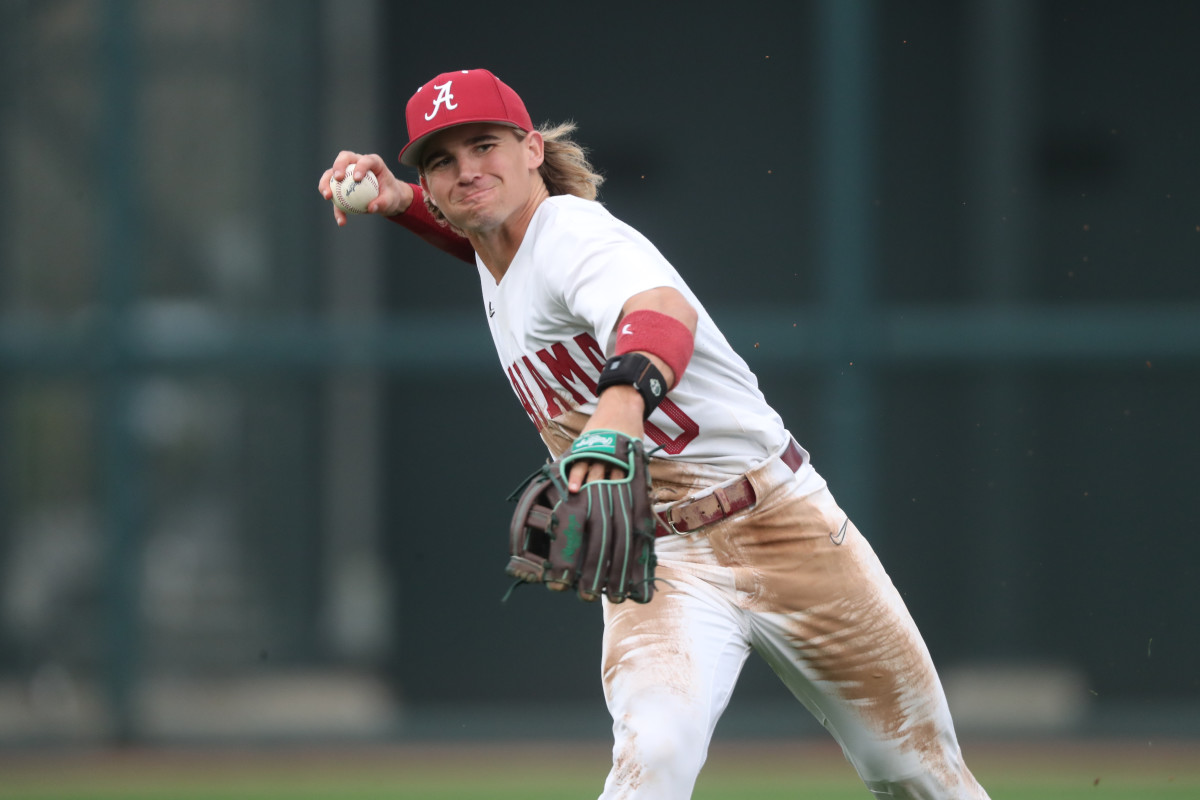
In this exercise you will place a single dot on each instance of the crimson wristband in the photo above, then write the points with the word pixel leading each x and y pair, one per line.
pixel 634 369
pixel 660 335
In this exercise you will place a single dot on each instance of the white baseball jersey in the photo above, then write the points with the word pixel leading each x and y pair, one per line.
pixel 553 318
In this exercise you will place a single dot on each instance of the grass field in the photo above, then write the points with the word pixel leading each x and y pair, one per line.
pixel 539 771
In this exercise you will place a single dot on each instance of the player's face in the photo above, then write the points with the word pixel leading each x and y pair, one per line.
pixel 480 175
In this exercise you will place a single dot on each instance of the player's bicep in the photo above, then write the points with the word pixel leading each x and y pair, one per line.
pixel 664 300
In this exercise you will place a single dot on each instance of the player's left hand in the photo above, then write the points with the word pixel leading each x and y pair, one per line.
pixel 619 409
pixel 598 541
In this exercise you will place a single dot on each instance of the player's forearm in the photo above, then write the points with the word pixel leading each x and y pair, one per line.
pixel 619 408
pixel 417 219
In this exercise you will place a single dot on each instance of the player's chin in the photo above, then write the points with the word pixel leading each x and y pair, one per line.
pixel 476 219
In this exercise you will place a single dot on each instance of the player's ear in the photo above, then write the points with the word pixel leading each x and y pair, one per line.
pixel 536 149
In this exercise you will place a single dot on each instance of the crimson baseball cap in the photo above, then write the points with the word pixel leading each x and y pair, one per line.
pixel 456 98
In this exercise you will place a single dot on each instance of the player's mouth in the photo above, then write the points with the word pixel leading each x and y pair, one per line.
pixel 474 197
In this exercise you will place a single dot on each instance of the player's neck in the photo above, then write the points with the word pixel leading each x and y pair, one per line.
pixel 498 247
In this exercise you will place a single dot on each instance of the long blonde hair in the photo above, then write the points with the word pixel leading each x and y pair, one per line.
pixel 565 168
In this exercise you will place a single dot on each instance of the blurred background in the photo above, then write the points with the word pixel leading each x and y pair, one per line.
pixel 253 467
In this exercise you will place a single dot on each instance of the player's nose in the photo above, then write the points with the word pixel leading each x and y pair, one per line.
pixel 468 169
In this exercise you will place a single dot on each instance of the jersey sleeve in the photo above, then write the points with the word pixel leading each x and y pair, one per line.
pixel 418 220
pixel 614 269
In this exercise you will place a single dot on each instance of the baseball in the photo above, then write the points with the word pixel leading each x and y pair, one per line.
pixel 353 196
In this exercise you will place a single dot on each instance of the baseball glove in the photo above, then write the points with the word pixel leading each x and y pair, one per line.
pixel 597 541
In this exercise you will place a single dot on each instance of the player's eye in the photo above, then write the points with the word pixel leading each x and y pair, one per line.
pixel 437 163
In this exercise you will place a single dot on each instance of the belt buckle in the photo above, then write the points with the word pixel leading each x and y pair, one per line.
pixel 664 519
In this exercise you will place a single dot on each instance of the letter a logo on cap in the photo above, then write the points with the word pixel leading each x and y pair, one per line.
pixel 444 98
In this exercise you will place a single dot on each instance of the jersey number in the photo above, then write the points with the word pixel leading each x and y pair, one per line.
pixel 690 430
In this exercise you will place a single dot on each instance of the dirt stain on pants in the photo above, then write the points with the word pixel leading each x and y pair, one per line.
pixel 793 580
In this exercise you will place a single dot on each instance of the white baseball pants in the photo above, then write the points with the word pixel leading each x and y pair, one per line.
pixel 791 581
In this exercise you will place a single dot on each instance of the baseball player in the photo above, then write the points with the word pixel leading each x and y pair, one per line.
pixel 754 552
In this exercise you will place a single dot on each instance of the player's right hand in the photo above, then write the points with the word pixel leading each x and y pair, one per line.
pixel 395 196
